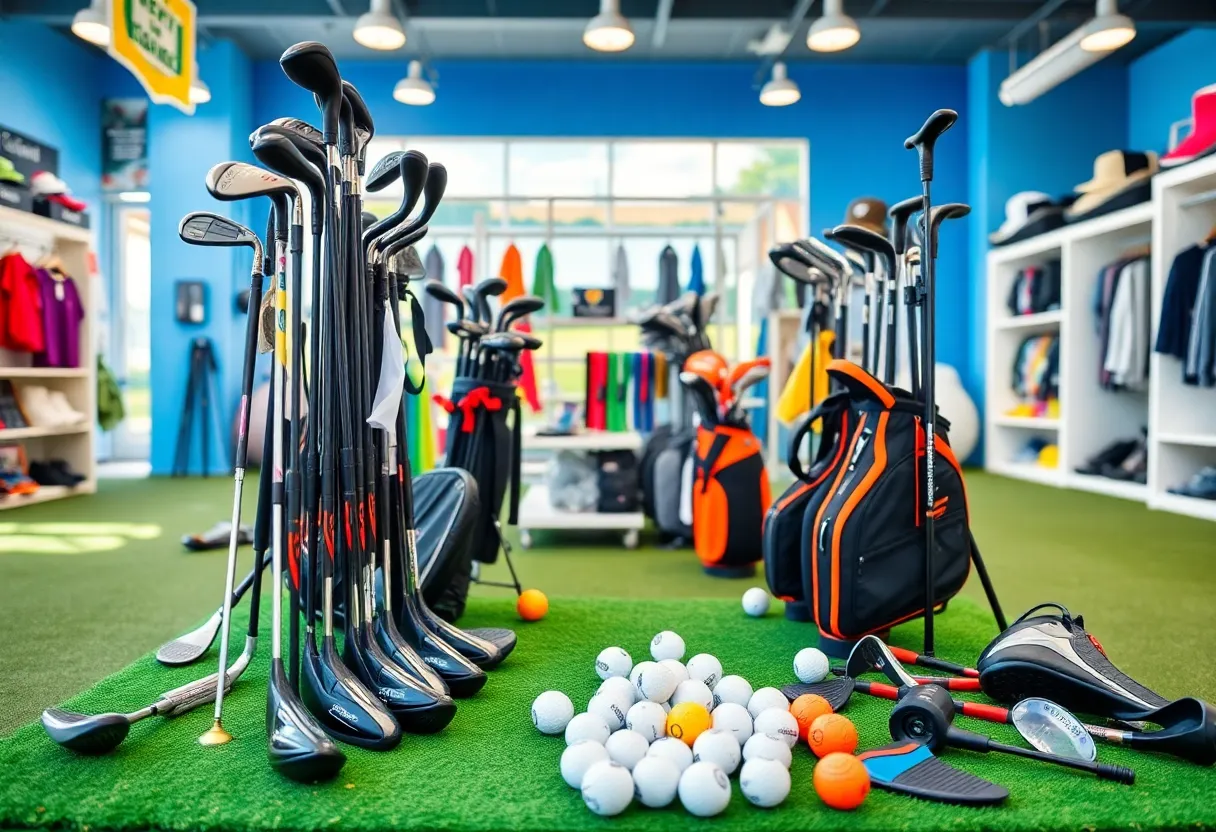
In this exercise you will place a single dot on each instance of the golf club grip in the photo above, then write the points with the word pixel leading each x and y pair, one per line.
pixel 926 137
pixel 879 689
pixel 951 683
pixel 988 713
pixel 188 697
pixel 911 657
pixel 1120 774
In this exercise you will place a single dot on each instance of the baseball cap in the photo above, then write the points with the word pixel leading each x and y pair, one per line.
pixel 48 186
pixel 8 173
pixel 867 212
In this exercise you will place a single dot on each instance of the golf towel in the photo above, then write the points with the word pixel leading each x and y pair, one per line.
pixel 795 397
pixel 620 280
pixel 434 310
pixel 512 271
pixel 542 281
pixel 669 275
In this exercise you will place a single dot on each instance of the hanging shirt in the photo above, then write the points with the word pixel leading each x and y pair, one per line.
pixel 1200 366
pixel 22 325
pixel 1127 347
pixel 62 313
pixel 511 271
pixel 434 311
pixel 464 266
pixel 1178 302
pixel 620 279
pixel 696 275
pixel 542 281
pixel 669 277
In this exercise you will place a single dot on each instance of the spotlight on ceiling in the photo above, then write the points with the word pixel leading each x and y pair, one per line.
pixel 91 24
pixel 780 91
pixel 835 31
pixel 608 31
pixel 413 89
pixel 379 28
pixel 1109 30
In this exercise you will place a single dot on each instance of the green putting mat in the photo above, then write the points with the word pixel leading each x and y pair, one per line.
pixel 491 770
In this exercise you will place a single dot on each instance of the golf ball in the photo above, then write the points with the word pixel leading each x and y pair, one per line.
pixel 609 709
pixel 613 661
pixel 810 665
pixel 656 683
pixel 551 711
pixel 577 758
pixel 765 783
pixel 618 687
pixel 704 789
pixel 779 722
pixel 693 690
pixel 733 718
pixel 678 670
pixel 627 747
pixel 587 727
pixel 766 698
pixel 667 645
pixel 718 747
pixel 607 788
pixel 655 780
pixel 705 668
pixel 732 689
pixel 755 602
pixel 669 748
pixel 767 747
pixel 648 719
pixel 638 670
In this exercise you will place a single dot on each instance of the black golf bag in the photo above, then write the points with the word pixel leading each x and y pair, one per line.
pixel 661 471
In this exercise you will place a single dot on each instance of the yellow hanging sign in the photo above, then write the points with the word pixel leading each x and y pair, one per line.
pixel 155 39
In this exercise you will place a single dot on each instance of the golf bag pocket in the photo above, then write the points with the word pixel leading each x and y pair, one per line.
pixel 864 536
pixel 730 495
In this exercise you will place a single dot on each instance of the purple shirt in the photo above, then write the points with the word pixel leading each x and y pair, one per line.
pixel 62 313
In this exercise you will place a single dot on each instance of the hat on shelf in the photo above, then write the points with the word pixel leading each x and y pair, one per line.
pixel 50 187
pixel 1027 214
pixel 8 173
pixel 1122 178
pixel 1202 138
pixel 867 212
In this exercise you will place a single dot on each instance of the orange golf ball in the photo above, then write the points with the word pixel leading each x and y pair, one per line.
pixel 687 721
pixel 532 605
pixel 832 733
pixel 806 709
pixel 841 781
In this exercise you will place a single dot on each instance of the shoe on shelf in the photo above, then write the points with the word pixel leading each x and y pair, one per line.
pixel 36 402
pixel 68 415
pixel 15 483
pixel 217 537
pixel 1133 468
pixel 54 472
pixel 65 470
pixel 1112 454
pixel 1202 485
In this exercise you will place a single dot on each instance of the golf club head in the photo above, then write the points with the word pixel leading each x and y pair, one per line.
pixel 407 263
pixel 413 171
pixel 385 172
pixel 703 395
pixel 358 107
pixel 465 328
pixel 204 228
pixel 233 181
pixel 302 129
pixel 753 376
pixel 794 263
pixel 517 308
pixel 503 342
pixel 900 213
pixel 870 654
pixel 667 324
pixel 299 748
pixel 345 708
pixel 836 691
pixel 827 259
pixel 531 342
pixel 941 213
pixel 483 291
pixel 84 734
pixel 399 240
pixel 1052 730
pixel 189 648
pixel 310 148
pixel 470 301
pixel 443 294
pixel 281 155
pixel 864 240
pixel 311 66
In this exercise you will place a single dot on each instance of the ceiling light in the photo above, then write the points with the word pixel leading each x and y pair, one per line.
pixel 134 196
pixel 780 91
pixel 608 31
pixel 1068 56
pixel 91 24
pixel 379 28
pixel 835 31
pixel 200 93
pixel 413 89
pixel 1109 30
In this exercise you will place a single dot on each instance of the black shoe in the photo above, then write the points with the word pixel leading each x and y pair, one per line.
pixel 44 473
pixel 1113 454
pixel 1132 469
pixel 62 467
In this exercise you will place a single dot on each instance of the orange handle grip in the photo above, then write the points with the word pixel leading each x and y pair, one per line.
pixel 989 713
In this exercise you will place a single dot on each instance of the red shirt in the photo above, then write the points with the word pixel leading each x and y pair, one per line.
pixel 20 306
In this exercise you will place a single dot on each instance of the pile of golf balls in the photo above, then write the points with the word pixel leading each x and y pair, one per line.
pixel 663 729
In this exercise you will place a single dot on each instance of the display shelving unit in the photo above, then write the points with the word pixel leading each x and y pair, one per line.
pixel 1180 419
pixel 74 443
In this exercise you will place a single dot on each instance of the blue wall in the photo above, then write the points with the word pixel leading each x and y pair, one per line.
pixel 1160 86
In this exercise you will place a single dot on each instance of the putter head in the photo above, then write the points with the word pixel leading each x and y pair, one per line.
pixel 299 748
pixel 871 654
pixel 84 734
pixel 836 691
pixel 385 172
pixel 232 181
pixel 204 228
pixel 311 66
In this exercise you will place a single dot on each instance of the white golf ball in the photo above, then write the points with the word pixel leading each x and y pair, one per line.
pixel 767 747
pixel 704 789
pixel 718 747
pixel 655 780
pixel 755 602
pixel 613 661
pixel 667 645
pixel 551 711
pixel 609 709
pixel 607 788
pixel 705 668
pixel 765 783
pixel 810 665
pixel 669 748
pixel 732 689
pixel 627 747
pixel 587 727
pixel 638 670
pixel 648 719
pixel 693 690
pixel 779 722
pixel 733 718
pixel 678 670
pixel 766 698
pixel 619 688
pixel 577 758
pixel 656 683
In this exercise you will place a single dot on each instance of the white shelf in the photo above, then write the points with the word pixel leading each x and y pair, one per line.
pixel 46 493
pixel 43 372
pixel 1026 422
pixel 1028 471
pixel 1194 440
pixel 587 440
pixel 1112 488
pixel 45 225
pixel 13 434
pixel 1039 320
pixel 535 512
pixel 1190 506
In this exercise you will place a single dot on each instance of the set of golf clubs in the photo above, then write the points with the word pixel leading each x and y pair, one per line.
pixel 337 508
pixel 718 392
pixel 677 330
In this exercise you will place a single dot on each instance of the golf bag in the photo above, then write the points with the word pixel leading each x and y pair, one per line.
pixel 663 462
pixel 863 545
pixel 617 481
pixel 480 441
pixel 730 495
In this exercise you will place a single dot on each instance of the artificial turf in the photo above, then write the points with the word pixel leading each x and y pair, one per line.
pixel 491 770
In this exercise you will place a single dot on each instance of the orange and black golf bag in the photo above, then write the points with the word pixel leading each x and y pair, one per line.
pixel 730 495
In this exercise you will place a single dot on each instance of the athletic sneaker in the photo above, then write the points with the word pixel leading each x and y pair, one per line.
pixel 1202 485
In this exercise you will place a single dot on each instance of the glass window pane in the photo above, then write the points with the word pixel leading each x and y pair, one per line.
pixel 755 169
pixel 558 168
pixel 663 215
pixel 476 167
pixel 662 168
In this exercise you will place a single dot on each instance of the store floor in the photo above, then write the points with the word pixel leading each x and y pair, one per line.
pixel 90 584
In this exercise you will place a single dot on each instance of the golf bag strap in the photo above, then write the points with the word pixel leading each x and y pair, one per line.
pixel 703 466
pixel 516 454
pixel 828 407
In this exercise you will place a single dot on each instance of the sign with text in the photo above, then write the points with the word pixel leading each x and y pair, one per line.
pixel 155 39
pixel 124 144
pixel 594 303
